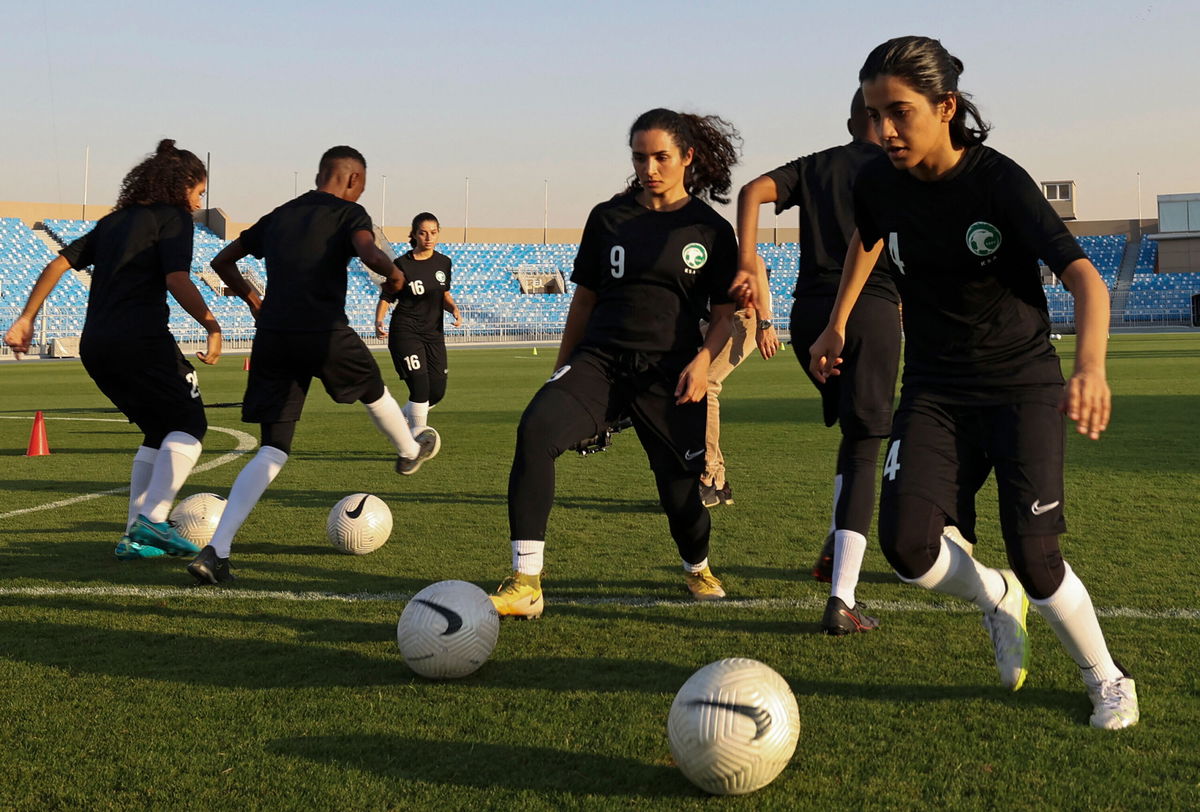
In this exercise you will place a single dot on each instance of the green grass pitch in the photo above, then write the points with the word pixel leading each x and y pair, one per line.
pixel 122 689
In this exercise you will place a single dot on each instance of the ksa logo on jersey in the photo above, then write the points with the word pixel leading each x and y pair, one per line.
pixel 983 239
pixel 695 255
pixel 440 276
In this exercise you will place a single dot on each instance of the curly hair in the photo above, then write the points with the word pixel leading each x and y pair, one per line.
pixel 717 145
pixel 164 177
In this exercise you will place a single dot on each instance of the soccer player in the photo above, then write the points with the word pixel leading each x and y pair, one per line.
pixel 859 400
pixel 139 252
pixel 748 327
pixel 651 262
pixel 964 227
pixel 303 333
pixel 416 337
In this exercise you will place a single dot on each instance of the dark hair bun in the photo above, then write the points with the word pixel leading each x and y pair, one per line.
pixel 166 145
pixel 958 65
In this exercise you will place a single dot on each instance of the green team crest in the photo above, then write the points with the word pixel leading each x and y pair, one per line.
pixel 983 239
pixel 695 255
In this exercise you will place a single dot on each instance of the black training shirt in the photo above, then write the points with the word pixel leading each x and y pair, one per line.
pixel 132 251
pixel 419 303
pixel 307 245
pixel 654 273
pixel 822 185
pixel 965 253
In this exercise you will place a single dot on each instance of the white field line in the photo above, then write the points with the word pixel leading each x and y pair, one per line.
pixel 244 443
pixel 625 601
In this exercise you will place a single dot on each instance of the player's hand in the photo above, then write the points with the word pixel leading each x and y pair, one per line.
pixel 212 353
pixel 457 319
pixel 693 382
pixel 1088 401
pixel 20 335
pixel 768 342
pixel 744 289
pixel 380 330
pixel 826 353
pixel 255 306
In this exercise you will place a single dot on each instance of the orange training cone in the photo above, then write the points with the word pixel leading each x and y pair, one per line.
pixel 246 364
pixel 38 447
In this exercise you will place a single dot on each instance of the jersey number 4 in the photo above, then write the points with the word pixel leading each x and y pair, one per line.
pixel 894 251
pixel 417 287
pixel 891 465
pixel 616 258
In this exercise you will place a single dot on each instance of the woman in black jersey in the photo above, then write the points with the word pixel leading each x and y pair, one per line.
pixel 651 262
pixel 416 338
pixel 964 228
pixel 139 252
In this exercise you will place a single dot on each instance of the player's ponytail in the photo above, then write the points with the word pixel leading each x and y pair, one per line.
pixel 423 217
pixel 164 177
pixel 928 68
pixel 716 144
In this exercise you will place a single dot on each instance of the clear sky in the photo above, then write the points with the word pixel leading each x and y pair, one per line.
pixel 516 93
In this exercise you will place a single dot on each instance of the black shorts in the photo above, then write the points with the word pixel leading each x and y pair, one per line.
pixel 860 399
pixel 283 364
pixel 944 453
pixel 415 354
pixel 611 385
pixel 149 380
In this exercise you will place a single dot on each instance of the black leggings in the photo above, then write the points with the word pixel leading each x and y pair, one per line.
pixel 910 529
pixel 555 422
pixel 279 435
pixel 856 500
pixel 426 388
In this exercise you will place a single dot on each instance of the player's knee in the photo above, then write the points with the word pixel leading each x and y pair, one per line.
pixel 909 535
pixel 437 391
pixel 1038 564
pixel 194 423
pixel 374 391
pixel 541 430
pixel 279 435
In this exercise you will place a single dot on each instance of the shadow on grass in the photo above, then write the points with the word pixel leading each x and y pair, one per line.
pixel 800 574
pixel 486 766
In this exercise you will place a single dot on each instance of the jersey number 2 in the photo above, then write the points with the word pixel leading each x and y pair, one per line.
pixel 195 382
pixel 894 250
pixel 616 258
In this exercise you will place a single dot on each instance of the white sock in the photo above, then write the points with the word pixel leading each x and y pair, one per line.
pixel 837 494
pixel 956 573
pixel 139 480
pixel 695 568
pixel 247 489
pixel 1070 613
pixel 848 550
pixel 417 414
pixel 528 555
pixel 175 459
pixel 389 419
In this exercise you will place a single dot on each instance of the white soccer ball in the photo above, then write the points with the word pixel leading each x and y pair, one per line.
pixel 359 524
pixel 733 726
pixel 197 516
pixel 447 630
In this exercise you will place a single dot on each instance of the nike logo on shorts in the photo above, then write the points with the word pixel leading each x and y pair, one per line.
pixel 1037 508
pixel 691 455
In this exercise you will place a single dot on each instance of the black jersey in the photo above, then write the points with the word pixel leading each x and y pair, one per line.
pixel 132 250
pixel 419 303
pixel 822 185
pixel 307 246
pixel 965 252
pixel 654 273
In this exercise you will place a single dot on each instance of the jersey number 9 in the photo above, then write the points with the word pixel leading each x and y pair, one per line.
pixel 616 258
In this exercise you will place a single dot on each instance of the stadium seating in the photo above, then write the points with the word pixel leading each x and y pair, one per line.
pixel 487 289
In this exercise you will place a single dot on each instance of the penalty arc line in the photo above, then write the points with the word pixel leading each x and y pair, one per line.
pixel 245 442
pixel 627 602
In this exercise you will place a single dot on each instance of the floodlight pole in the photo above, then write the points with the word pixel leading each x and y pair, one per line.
pixel 207 187
pixel 295 183
pixel 1139 178
pixel 87 156
pixel 383 209
pixel 546 214
pixel 466 206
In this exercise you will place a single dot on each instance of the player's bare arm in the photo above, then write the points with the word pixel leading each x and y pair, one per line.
pixel 20 334
pixel 745 289
pixel 582 304
pixel 225 265
pixel 376 260
pixel 1087 399
pixel 451 307
pixel 381 313
pixel 180 284
pixel 693 381
pixel 826 350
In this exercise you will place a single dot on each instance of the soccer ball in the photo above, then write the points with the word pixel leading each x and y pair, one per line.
pixel 447 630
pixel 733 726
pixel 197 516
pixel 359 524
